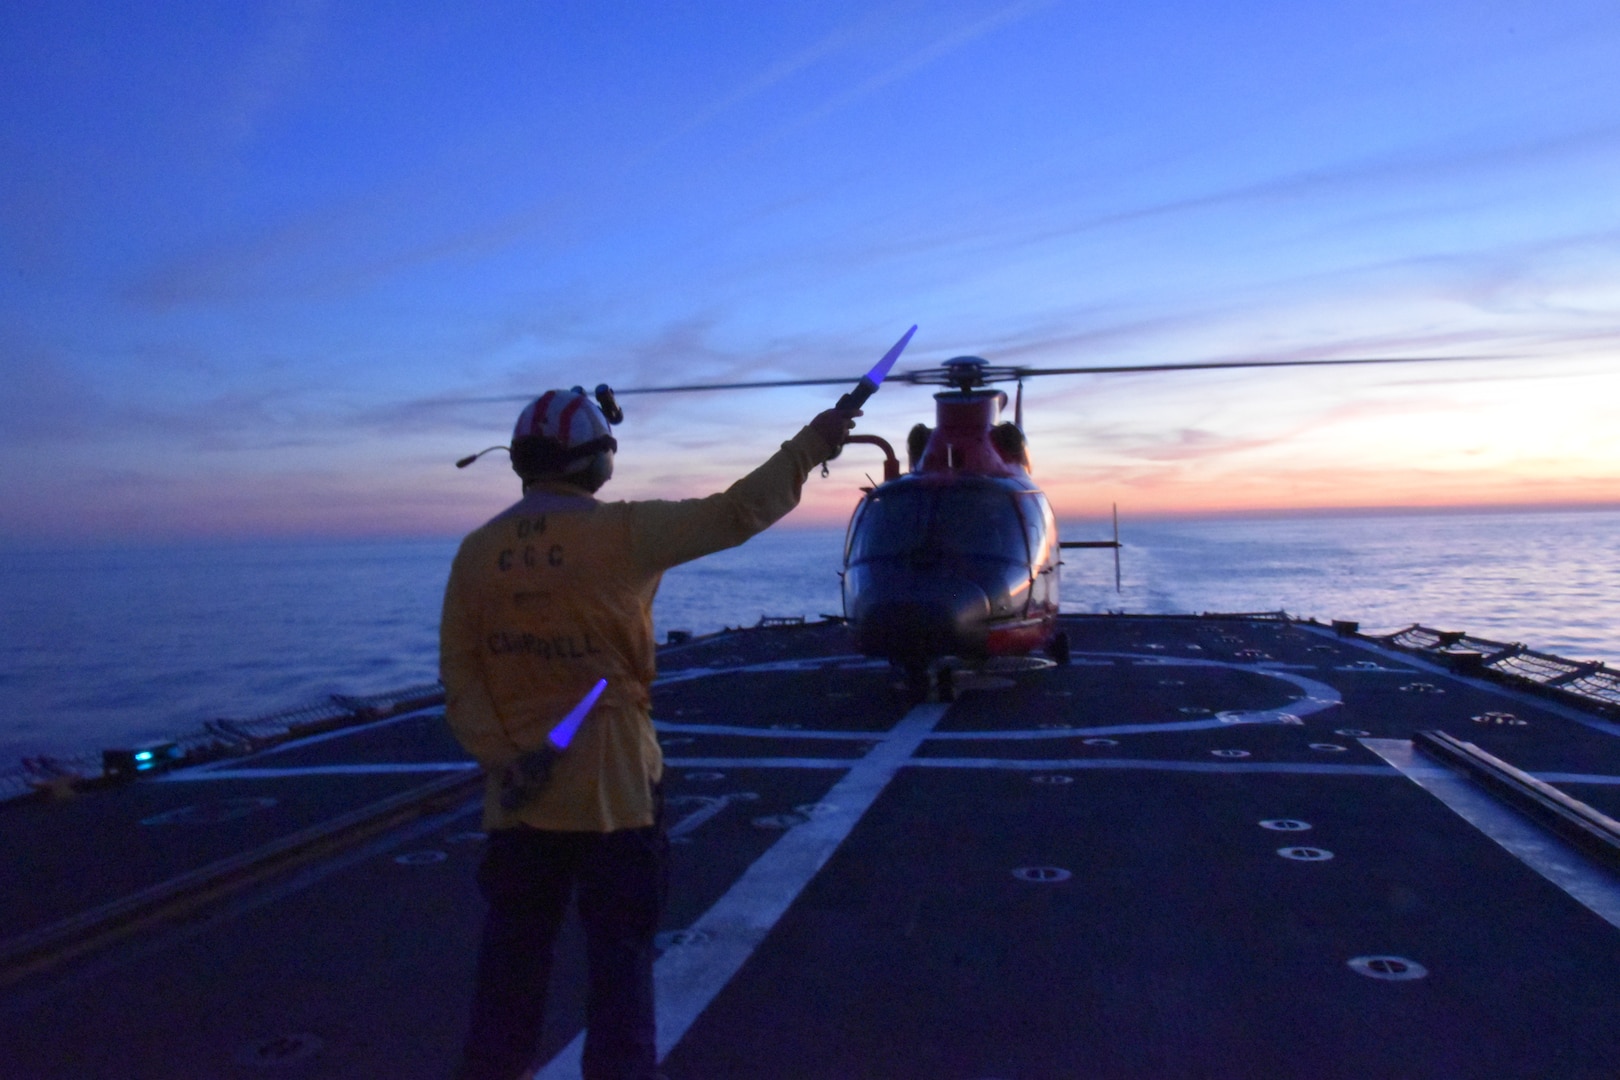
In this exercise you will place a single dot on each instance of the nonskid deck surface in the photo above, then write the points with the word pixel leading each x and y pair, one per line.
pixel 1185 854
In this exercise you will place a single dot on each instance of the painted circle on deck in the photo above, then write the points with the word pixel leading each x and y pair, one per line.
pixel 420 858
pixel 779 821
pixel 1305 854
pixel 1506 719
pixel 1051 778
pixel 671 939
pixel 1327 747
pixel 1042 874
pixel 1390 968
pixel 705 777
pixel 1284 824
pixel 1230 753
pixel 280 1050
pixel 814 809
pixel 211 813
pixel 676 740
pixel 1351 732
pixel 1100 742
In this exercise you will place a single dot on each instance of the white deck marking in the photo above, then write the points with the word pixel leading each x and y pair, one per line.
pixel 313 740
pixel 189 777
pixel 1540 850
pixel 1154 765
pixel 688 977
pixel 676 728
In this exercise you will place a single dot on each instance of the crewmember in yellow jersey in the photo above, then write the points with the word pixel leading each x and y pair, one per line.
pixel 544 601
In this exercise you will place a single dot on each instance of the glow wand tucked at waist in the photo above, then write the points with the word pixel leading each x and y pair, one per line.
pixel 873 379
pixel 563 733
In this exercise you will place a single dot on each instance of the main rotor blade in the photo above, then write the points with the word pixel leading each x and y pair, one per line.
pixel 1115 369
pixel 760 384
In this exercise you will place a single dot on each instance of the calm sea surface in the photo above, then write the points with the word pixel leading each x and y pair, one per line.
pixel 101 647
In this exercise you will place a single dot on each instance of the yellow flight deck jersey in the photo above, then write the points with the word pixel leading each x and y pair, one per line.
pixel 556 593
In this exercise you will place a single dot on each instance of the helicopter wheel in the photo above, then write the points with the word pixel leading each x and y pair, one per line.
pixel 1058 648
pixel 917 681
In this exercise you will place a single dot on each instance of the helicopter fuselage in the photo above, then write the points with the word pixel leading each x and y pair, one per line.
pixel 960 556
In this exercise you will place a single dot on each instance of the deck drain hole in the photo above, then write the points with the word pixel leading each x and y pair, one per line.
pixel 676 740
pixel 211 813
pixel 1230 753
pixel 787 727
pixel 705 777
pixel 470 837
pixel 1283 824
pixel 779 821
pixel 1100 742
pixel 815 809
pixel 1045 874
pixel 1506 719
pixel 672 939
pixel 1051 778
pixel 420 858
pixel 1327 747
pixel 1351 732
pixel 281 1050
pixel 1305 854
pixel 1393 968
pixel 1172 682
pixel 1193 710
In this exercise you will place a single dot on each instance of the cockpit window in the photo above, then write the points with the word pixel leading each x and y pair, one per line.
pixel 980 522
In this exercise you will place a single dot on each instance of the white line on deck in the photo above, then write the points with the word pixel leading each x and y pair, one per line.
pixel 1532 845
pixel 687 978
pixel 1153 765
pixel 676 728
pixel 190 776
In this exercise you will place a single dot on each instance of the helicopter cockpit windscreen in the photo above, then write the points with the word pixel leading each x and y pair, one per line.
pixel 929 522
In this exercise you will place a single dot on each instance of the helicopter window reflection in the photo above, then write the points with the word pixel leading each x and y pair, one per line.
pixel 973 521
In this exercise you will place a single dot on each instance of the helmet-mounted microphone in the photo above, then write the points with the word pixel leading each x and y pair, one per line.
pixel 470 458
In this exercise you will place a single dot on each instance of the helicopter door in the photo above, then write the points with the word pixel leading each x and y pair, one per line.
pixel 1040 529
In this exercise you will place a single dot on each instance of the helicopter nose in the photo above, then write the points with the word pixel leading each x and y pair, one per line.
pixel 924 618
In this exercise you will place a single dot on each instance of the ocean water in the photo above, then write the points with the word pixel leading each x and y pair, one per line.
pixel 108 646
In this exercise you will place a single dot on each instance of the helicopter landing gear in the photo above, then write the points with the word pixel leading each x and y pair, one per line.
pixel 1058 648
pixel 930 682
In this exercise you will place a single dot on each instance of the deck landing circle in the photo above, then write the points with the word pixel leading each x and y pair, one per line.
pixel 1390 968
pixel 1305 854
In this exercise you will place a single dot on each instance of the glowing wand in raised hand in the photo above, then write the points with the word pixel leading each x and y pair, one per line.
pixel 873 379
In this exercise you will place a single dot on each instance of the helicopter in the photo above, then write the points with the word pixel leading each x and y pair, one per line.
pixel 957 560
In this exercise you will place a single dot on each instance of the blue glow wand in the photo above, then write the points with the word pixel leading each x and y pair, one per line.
pixel 525 777
pixel 873 379
pixel 563 733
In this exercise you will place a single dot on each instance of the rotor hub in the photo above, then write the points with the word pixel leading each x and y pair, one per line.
pixel 963 373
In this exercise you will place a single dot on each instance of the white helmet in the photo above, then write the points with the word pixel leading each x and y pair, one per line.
pixel 563 434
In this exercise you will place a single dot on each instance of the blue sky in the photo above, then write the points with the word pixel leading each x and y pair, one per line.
pixel 262 259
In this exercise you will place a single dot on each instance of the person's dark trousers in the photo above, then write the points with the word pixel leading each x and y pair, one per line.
pixel 527 876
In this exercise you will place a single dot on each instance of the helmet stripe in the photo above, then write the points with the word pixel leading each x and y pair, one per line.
pixel 566 420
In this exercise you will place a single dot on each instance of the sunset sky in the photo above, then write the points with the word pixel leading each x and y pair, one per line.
pixel 264 262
